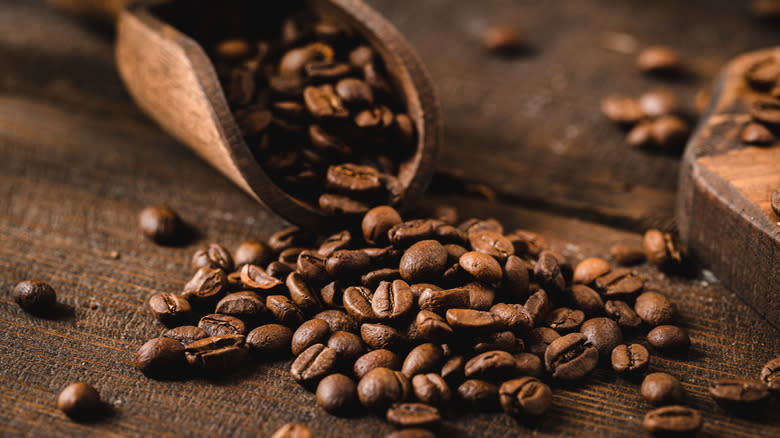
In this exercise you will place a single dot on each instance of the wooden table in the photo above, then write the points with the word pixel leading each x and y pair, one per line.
pixel 79 161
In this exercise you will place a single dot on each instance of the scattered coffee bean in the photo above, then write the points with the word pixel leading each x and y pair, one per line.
pixel 217 324
pixel 662 389
pixel 662 249
pixel 585 299
pixel 34 296
pixel 270 338
pixel 423 261
pixel 313 364
pixel 539 339
pixel 431 388
pixel 253 252
pixel 474 321
pixel 492 365
pixel 413 415
pixel 654 308
pixel 765 109
pixel 392 301
pixel 380 358
pixel 565 320
pixel 377 222
pixel 348 345
pixel 422 359
pixel 672 421
pixel 433 327
pixel 571 357
pixel 528 364
pixel 503 40
pixel 757 134
pixel 381 387
pixel 602 333
pixel 186 334
pixel 622 109
pixel 619 283
pixel 659 59
pixel 338 320
pixel 770 375
pixel 525 396
pixel 216 353
pixel 215 256
pixel 623 314
pixel 588 270
pixel 170 309
pixel 293 430
pixel 160 357
pixel 80 401
pixel 738 393
pixel 411 433
pixel 482 267
pixel 627 255
pixel 669 338
pixel 284 310
pixel 336 393
pixel 246 305
pixel 479 394
pixel 660 102
pixel 160 224
pixel 313 331
pixel 382 336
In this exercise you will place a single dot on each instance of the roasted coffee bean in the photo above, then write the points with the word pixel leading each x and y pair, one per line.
pixel 662 249
pixel 602 333
pixel 383 257
pixel 515 279
pixel 672 421
pixel 627 255
pixel 513 316
pixel 288 238
pixel 326 71
pixel 407 233
pixel 738 393
pixel 669 338
pixel 347 263
pixel 290 255
pixel 413 415
pixel 588 270
pixel 504 340
pixel 392 301
pixel 452 370
pixel 412 432
pixel 630 359
pixel 338 320
pixel 254 277
pixel 659 59
pixel 419 288
pixel 622 109
pixel 35 296
pixel 311 267
pixel 756 133
pixel 160 357
pixel 565 320
pixel 300 293
pixel 335 242
pixel 348 345
pixel 620 283
pixel 270 338
pixel 380 358
pixel 245 305
pixel 234 281
pixel 475 225
pixel 764 74
pixel 354 92
pixel 293 62
pixel 623 314
pixel 336 393
pixel 160 224
pixel 547 272
pixel 491 243
pixel 433 327
pixel 492 365
pixel 313 331
pixel 586 299
pixel 351 178
pixel 337 205
pixel 441 300
pixel 377 222
pixel 537 306
pixel 293 430
pixel 654 308
pixel 358 303
pixel 528 364
pixel 662 389
pixel 770 375
pixel 186 334
pixel 372 279
pixel 642 135
pixel 284 310
pixel 422 359
pixel 481 266
pixel 423 261
pixel 432 389
pixel 313 364
pixel 479 394
pixel 278 270
pixel 765 109
pixel 216 353
pixel 571 357
pixel 361 56
pixel 474 321
pixel 669 131
pixel 381 387
pixel 80 401
pixel 207 285
pixel 540 338
pixel 323 103
pixel 525 396
pixel 659 102
pixel 217 324
pixel 449 233
pixel 481 296
pixel 332 294
pixel 214 256
pixel 382 336
pixel 503 40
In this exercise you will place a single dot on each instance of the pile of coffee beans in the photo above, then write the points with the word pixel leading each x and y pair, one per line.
pixel 656 119
pixel 763 78
pixel 314 103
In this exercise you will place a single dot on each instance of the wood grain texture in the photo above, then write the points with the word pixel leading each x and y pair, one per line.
pixel 79 162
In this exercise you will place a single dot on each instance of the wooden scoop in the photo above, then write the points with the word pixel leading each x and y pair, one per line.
pixel 171 78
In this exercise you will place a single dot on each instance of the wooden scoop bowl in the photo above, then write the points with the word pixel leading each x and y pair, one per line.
pixel 171 78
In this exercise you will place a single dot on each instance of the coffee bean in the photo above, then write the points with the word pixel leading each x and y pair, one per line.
pixel 491 365
pixel 80 401
pixel 503 40
pixel 540 338
pixel 411 433
pixel 336 393
pixel 764 74
pixel 627 255
pixel 311 267
pixel 313 331
pixel 538 306
pixel 254 123
pixel 662 249
pixel 351 178
pixel 160 357
pixel 313 364
pixel 216 353
pixel 619 283
pixel 491 243
pixel 669 131
pixel 565 320
pixel 348 345
pixel 422 359
pixel 622 109
pixel 481 296
pixel 770 374
pixel 338 320
pixel 479 394
pixel 290 255
pixel 270 338
pixel 431 388
pixel 452 370
pixel 332 294
pixel 392 301
pixel 433 327
pixel 288 238
pixel 160 224
pixel 405 234
pixel 423 261
pixel 547 272
pixel 512 316
pixel 738 393
pixel 475 225
pixel 585 299
pixel 335 242
pixel 277 270
pixel 284 310
pixel 528 364
pixel 474 321
pixel 659 60
pixel 354 92
pixel 659 102
pixel 300 293
pixel 654 308
pixel 214 256
pixel 413 415
pixel 245 305
pixel 630 359
pixel 669 338
pixel 504 340
pixel 34 296
pixel 372 279
pixel 662 389
pixel 233 49
pixel 623 314
pixel 570 357
pixel 515 279
pixel 186 334
pixel 358 303
pixel 672 421
pixel 525 396
pixel 380 358
pixel 347 263
pixel 254 277
pixel 757 134
pixel 381 387
pixel 588 270
pixel 602 333
pixel 441 300
pixel 293 430
pixel 207 285
pixel 765 109
pixel 338 205
pixel 481 266
pixel 217 324
pixel 382 336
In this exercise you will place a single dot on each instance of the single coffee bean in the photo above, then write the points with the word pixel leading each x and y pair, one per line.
pixel 659 102
pixel 662 389
pixel 412 432
pixel 207 285
pixel 763 74
pixel 217 324
pixel 376 359
pixel 512 316
pixel 539 339
pixel 347 263
pixel 491 243
pixel 525 396
pixel 407 233
pixel 233 49
pixel 432 389
pixel 372 279
pixel 479 394
pixel 492 365
pixel 433 327
pixel 160 357
pixel 160 224
pixel 354 92
pixel 348 345
pixel 641 135
pixel 338 320
pixel 351 178
pixel 34 296
pixel 288 238
pixel 669 338
pixel 481 266
pixel 623 314
pixel 246 305
pixel 627 255
pixel 475 225
pixel 515 279
pixel 756 133
pixel 654 308
pixel 669 131
pixel 377 222
pixel 588 270
pixel 253 252
pixel 547 272
pixel 765 109
pixel 672 421
pixel 423 261
pixel 474 321
pixel 284 310
pixel 419 288
pixel 332 294
pixel 620 283
pixel 216 353
pixel 80 401
pixel 630 359
pixel 358 303
pixel 301 294
pixel 313 331
pixel 770 375
pixel 381 387
pixel 622 109
pixel 336 393
pixel 452 370
pixel 660 60
pixel 270 338
pixel 503 40
pixel 586 299
pixel 422 359
pixel 571 357
pixel 290 255
pixel 504 340
pixel 186 334
pixel 293 430
pixel 413 415
pixel 382 336
pixel 214 256
pixel 438 301
pixel 538 305
pixel 254 277
pixel 335 242
pixel 313 364
pixel 528 364
pixel 602 333
pixel 392 301
pixel 481 296
pixel 277 270
pixel 738 393
pixel 662 249
pixel 565 320
pixel 311 267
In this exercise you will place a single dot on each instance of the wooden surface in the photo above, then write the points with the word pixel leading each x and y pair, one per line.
pixel 79 161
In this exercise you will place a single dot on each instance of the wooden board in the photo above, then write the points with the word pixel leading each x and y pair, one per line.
pixel 79 161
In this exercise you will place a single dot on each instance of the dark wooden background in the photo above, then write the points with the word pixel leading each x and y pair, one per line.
pixel 78 161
